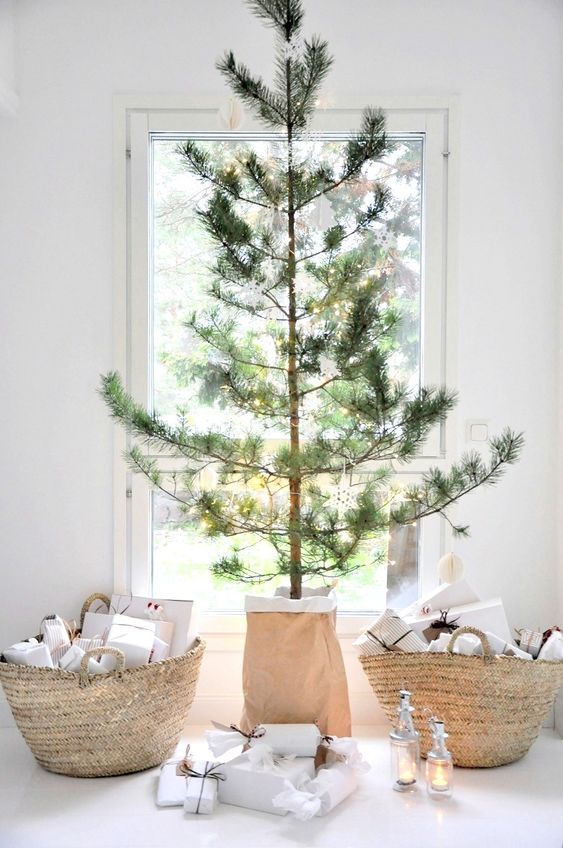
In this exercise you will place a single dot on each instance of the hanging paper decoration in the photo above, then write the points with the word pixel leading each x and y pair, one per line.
pixel 385 238
pixel 293 49
pixel 343 497
pixel 329 368
pixel 231 114
pixel 450 568
pixel 324 213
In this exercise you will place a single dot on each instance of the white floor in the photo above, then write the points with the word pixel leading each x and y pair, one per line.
pixel 516 806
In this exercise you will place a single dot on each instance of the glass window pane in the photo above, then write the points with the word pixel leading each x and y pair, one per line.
pixel 181 254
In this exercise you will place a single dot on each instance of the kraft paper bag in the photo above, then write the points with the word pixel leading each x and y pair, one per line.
pixel 293 671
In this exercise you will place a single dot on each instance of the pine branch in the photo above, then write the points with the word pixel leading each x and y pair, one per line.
pixel 199 163
pixel 438 491
pixel 253 91
pixel 284 15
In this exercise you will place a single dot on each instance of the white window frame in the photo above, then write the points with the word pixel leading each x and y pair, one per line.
pixel 135 118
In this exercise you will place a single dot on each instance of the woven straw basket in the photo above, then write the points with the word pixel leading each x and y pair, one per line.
pixel 100 725
pixel 493 706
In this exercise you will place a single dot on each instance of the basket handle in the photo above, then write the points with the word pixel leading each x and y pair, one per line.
pixel 96 596
pixel 85 678
pixel 487 652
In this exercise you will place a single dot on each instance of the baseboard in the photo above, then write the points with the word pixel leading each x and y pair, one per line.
pixel 227 709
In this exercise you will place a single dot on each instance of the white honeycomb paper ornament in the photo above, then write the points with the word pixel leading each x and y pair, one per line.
pixel 343 497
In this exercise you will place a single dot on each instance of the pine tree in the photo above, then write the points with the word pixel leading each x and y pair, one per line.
pixel 316 296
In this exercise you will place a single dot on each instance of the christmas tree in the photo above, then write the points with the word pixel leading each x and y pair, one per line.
pixel 313 370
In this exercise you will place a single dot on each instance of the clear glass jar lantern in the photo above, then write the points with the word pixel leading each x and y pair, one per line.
pixel 439 763
pixel 405 747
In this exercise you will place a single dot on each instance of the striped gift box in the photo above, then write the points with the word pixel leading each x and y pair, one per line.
pixel 389 633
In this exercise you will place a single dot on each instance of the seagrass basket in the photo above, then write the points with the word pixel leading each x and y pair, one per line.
pixel 100 725
pixel 493 706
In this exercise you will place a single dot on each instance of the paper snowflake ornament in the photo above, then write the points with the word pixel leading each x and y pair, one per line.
pixel 343 497
pixel 329 368
pixel 253 294
pixel 385 238
pixel 293 49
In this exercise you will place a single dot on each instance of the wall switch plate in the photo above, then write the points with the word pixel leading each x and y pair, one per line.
pixel 476 431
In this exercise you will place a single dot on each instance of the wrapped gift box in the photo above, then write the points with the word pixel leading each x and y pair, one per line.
pixel 31 652
pixel 254 787
pixel 389 633
pixel 178 613
pixel 100 624
pixel 486 615
pixel 201 787
pixel 134 637
pixel 444 597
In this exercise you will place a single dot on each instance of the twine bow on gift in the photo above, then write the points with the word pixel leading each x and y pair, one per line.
pixel 210 770
pixel 256 732
pixel 394 646
pixel 442 623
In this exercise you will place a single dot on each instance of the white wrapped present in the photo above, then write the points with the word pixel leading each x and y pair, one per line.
pixel 297 740
pixel 319 796
pixel 178 614
pixel 134 637
pixel 70 661
pixel 488 616
pixel 55 636
pixel 171 789
pixel 531 641
pixel 254 778
pixel 97 624
pixel 467 644
pixel 201 787
pixel 443 597
pixel 30 652
pixel 389 633
pixel 160 650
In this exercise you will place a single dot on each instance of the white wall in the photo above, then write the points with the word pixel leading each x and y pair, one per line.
pixel 501 58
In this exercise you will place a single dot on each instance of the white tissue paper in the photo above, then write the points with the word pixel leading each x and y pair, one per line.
pixel 319 796
pixel 252 783
pixel 279 603
pixel 345 749
pixel 553 648
pixel 30 652
pixel 201 792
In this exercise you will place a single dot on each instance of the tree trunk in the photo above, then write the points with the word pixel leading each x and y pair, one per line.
pixel 292 377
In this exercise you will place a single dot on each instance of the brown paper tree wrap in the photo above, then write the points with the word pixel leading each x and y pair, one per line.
pixel 293 672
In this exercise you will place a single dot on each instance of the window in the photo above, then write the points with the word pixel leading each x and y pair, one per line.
pixel 158 550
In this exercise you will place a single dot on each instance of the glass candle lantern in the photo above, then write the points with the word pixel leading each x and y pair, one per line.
pixel 439 764
pixel 405 748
